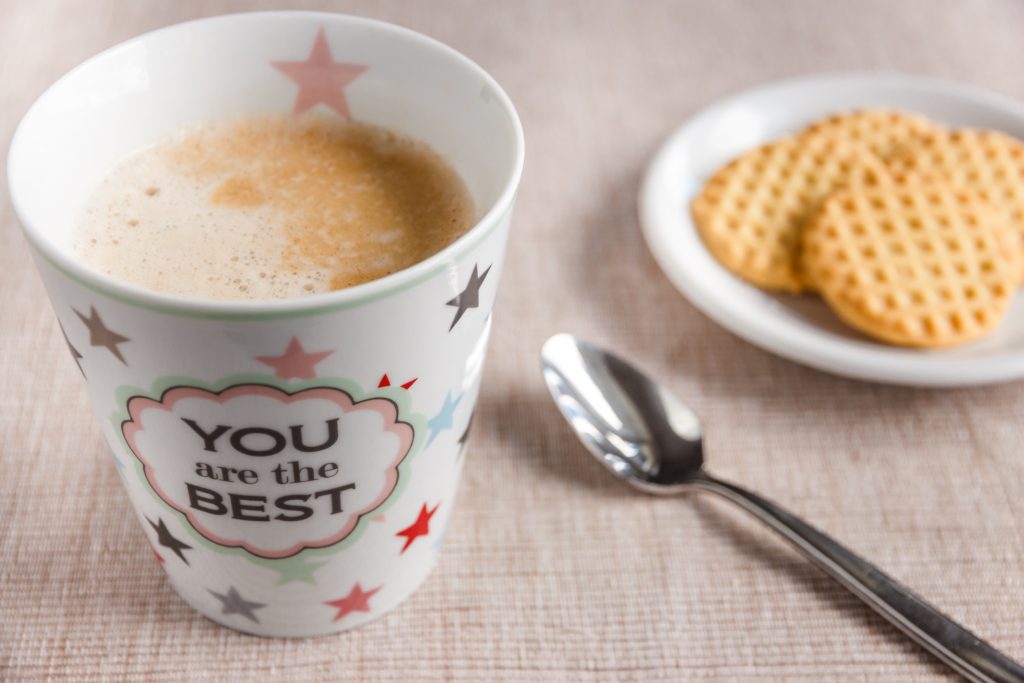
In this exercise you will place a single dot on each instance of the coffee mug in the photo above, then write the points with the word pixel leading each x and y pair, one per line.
pixel 293 463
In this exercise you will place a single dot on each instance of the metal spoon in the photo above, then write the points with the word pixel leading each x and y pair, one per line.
pixel 648 438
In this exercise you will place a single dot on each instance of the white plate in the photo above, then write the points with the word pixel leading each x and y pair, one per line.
pixel 802 328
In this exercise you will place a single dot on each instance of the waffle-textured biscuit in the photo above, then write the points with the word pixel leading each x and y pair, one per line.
pixel 884 132
pixel 913 260
pixel 988 162
pixel 752 211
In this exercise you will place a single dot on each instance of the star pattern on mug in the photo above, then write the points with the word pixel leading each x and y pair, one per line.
pixel 470 296
pixel 295 569
pixel 385 381
pixel 421 527
pixel 321 80
pixel 74 352
pixel 464 437
pixel 167 540
pixel 232 602
pixel 101 335
pixel 295 362
pixel 357 600
pixel 443 419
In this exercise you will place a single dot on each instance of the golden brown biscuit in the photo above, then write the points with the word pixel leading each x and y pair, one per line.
pixel 884 132
pixel 913 260
pixel 751 212
pixel 989 162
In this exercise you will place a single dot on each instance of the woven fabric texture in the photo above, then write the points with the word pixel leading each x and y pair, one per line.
pixel 553 571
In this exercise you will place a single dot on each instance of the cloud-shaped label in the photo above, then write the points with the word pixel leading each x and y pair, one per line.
pixel 258 468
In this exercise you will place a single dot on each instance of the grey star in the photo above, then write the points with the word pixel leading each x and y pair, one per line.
pixel 469 297
pixel 465 435
pixel 74 352
pixel 234 603
pixel 101 335
pixel 164 538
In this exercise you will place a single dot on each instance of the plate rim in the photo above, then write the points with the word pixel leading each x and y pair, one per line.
pixel 857 360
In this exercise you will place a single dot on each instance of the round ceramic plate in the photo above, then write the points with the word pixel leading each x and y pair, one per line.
pixel 802 328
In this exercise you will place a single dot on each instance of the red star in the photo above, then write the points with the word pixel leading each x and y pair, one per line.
pixel 357 600
pixel 295 361
pixel 385 382
pixel 321 80
pixel 421 527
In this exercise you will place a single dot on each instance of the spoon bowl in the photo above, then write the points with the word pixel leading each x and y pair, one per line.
pixel 642 433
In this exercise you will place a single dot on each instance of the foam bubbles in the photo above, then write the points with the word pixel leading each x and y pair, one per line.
pixel 270 208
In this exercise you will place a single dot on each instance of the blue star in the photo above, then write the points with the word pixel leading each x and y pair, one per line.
pixel 443 420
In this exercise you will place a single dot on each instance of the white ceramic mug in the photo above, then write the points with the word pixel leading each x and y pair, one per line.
pixel 293 463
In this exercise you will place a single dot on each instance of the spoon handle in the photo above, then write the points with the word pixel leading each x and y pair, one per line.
pixel 965 652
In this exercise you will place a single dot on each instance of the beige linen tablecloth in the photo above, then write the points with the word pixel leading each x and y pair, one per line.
pixel 552 570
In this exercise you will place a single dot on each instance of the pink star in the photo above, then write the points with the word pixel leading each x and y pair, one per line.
pixel 295 362
pixel 321 79
pixel 357 600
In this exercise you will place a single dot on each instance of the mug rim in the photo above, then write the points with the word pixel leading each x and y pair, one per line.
pixel 312 304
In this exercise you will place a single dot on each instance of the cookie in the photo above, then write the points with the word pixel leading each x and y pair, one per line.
pixel 751 212
pixel 883 132
pixel 988 162
pixel 912 260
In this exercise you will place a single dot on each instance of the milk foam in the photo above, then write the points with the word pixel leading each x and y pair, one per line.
pixel 272 207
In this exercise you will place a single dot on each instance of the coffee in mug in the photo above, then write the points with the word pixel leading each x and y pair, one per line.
pixel 272 207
